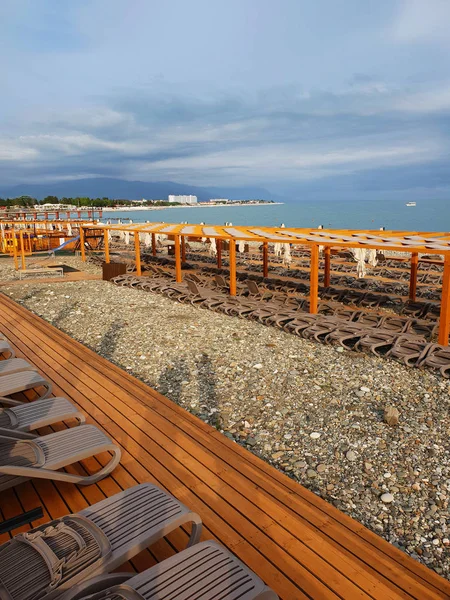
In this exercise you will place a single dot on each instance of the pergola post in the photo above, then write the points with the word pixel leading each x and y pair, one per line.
pixel 153 244
pixel 106 244
pixel 137 252
pixel 327 255
pixel 265 259
pixel 314 280
pixel 22 249
pixel 82 248
pixel 232 255
pixel 183 249
pixel 14 245
pixel 444 319
pixel 413 276
pixel 219 253
pixel 177 259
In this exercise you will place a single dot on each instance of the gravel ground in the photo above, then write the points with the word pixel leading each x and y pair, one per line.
pixel 314 412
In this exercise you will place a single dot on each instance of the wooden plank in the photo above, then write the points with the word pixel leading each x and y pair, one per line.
pixel 219 253
pixel 82 246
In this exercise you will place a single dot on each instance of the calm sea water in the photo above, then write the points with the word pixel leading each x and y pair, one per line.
pixel 430 215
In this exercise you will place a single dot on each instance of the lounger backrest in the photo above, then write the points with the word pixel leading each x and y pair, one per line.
pixel 192 286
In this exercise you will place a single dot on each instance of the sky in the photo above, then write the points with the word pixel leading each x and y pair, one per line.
pixel 284 94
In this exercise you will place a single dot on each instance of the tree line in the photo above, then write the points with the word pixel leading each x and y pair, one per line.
pixel 79 201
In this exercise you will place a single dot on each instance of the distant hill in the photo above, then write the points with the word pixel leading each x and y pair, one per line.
pixel 100 187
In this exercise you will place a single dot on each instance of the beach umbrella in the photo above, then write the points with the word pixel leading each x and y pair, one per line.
pixel 127 237
pixel 213 247
pixel 69 229
pixel 147 240
pixel 278 249
pixel 241 246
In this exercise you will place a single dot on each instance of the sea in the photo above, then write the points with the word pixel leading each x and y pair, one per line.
pixel 428 215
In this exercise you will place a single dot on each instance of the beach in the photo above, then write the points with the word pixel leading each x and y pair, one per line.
pixel 315 412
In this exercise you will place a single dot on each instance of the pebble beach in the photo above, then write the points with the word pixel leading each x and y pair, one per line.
pixel 315 412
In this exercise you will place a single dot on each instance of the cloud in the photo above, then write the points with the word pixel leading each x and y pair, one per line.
pixel 422 21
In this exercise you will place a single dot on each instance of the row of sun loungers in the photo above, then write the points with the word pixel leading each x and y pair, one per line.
pixel 405 338
pixel 74 557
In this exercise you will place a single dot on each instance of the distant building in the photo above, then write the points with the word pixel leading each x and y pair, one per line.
pixel 219 200
pixel 183 199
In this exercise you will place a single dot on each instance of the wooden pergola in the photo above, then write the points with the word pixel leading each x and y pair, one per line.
pixel 412 242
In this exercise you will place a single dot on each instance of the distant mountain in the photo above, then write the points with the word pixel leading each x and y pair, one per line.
pixel 100 187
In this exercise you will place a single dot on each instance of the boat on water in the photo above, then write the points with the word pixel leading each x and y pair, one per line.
pixel 410 204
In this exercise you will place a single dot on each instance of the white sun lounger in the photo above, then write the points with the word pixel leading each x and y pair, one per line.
pixel 205 571
pixel 22 381
pixel 41 457
pixel 19 421
pixel 15 365
pixel 51 559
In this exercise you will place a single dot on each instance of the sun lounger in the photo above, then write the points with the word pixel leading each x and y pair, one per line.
pixel 92 542
pixel 436 357
pixel 408 350
pixel 346 335
pixel 29 416
pixel 41 457
pixel 6 350
pixel 22 381
pixel 15 365
pixel 206 571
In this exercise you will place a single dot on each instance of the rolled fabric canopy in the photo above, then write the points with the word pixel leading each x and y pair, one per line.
pixel 360 257
pixel 213 247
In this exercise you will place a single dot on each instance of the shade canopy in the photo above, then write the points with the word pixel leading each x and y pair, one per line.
pixel 402 241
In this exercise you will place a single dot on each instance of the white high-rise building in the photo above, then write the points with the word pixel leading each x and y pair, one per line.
pixel 183 199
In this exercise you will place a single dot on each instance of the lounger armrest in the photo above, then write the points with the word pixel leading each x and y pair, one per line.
pixel 42 473
pixel 10 401
pixel 13 433
pixel 95 585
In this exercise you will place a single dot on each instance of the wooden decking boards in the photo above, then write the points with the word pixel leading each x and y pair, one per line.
pixel 300 545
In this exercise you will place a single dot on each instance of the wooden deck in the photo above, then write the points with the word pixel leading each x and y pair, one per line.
pixel 300 545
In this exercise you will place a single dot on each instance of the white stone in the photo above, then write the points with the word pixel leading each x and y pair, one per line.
pixel 339 349
pixel 257 366
pixel 351 455
pixel 365 389
pixel 314 435
pixel 387 498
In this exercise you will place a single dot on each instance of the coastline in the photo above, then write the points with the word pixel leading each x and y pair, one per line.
pixel 145 208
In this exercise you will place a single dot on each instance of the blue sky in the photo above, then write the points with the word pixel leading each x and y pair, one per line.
pixel 287 94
